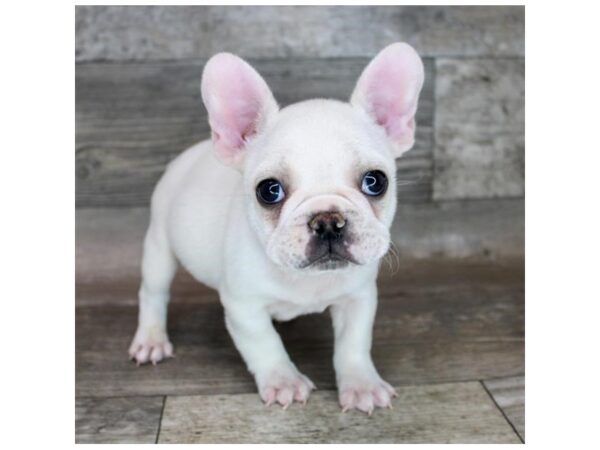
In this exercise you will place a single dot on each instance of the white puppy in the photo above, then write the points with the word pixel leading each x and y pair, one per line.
pixel 285 212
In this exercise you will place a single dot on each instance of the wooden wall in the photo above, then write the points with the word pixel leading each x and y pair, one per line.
pixel 138 102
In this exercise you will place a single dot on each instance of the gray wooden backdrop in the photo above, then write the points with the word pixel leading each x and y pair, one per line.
pixel 138 103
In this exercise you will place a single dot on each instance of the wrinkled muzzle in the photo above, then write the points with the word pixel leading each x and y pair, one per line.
pixel 327 233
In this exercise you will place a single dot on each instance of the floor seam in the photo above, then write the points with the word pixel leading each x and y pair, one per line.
pixel 253 391
pixel 160 419
pixel 501 411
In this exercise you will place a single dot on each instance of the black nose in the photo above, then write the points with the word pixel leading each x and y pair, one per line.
pixel 328 225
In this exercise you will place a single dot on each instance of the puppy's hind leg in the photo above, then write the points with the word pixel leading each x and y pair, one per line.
pixel 151 342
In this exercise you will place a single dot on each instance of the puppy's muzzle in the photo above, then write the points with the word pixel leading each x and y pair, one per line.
pixel 328 226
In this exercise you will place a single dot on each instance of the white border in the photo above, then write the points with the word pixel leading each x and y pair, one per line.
pixel 37 186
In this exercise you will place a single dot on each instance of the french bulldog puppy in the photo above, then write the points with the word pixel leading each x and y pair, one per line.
pixel 285 212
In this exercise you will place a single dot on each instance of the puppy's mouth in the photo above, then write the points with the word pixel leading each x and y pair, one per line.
pixel 330 259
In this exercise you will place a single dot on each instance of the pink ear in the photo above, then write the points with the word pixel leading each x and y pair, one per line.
pixel 388 90
pixel 238 102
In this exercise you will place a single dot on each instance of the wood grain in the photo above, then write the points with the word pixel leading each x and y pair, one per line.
pixel 428 330
pixel 480 128
pixel 509 394
pixel 445 413
pixel 117 420
pixel 485 229
pixel 133 118
pixel 437 323
pixel 169 32
pixel 109 240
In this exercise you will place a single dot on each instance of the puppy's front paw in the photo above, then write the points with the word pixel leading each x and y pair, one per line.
pixel 365 392
pixel 284 385
pixel 150 345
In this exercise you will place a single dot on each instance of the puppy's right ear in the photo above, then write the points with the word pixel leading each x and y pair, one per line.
pixel 239 105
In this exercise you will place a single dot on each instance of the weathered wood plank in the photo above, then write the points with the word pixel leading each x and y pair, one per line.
pixel 454 329
pixel 480 128
pixel 162 32
pixel 109 240
pixel 132 119
pixel 445 413
pixel 117 420
pixel 509 394
pixel 485 229
pixel 407 277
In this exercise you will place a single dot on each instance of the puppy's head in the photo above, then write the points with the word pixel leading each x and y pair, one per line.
pixel 319 176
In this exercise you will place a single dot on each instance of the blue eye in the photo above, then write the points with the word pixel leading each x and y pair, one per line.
pixel 270 192
pixel 374 183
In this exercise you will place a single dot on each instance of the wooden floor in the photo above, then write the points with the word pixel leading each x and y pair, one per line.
pixel 449 337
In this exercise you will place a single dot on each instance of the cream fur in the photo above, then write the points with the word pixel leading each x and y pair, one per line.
pixel 205 215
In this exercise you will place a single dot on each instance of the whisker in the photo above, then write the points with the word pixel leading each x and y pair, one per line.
pixel 393 254
pixel 386 258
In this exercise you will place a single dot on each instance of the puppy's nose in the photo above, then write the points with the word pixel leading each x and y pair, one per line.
pixel 328 225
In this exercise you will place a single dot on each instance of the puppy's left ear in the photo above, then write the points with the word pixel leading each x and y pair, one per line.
pixel 388 91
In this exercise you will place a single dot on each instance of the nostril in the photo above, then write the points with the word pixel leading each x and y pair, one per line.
pixel 320 228
pixel 328 225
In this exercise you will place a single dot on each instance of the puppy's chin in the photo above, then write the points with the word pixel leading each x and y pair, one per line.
pixel 324 264
pixel 328 262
